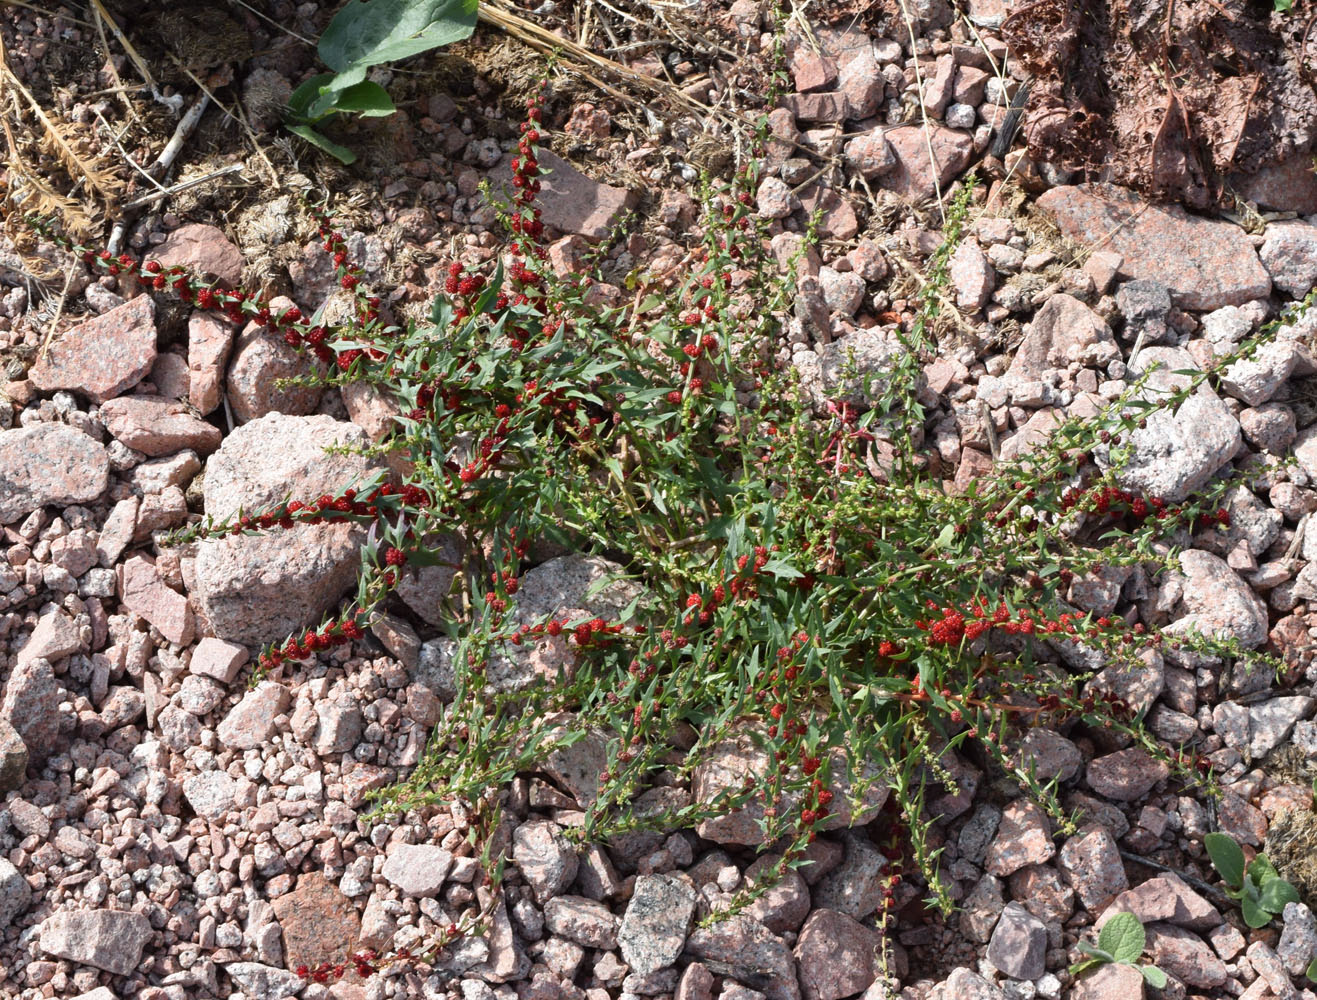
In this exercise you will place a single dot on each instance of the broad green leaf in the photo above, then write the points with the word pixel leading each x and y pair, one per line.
pixel 365 98
pixel 1276 893
pixel 301 99
pixel 365 34
pixel 1254 915
pixel 1084 965
pixel 1123 936
pixel 340 153
pixel 1153 976
pixel 1311 971
pixel 1097 952
pixel 1261 870
pixel 1227 856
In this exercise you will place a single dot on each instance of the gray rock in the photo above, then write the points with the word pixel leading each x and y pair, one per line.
pixel 1289 253
pixel 1176 453
pixel 1298 939
pixel 854 887
pixel 547 861
pixel 210 793
pixel 653 929
pixel 1219 602
pixel 264 982
pixel 49 463
pixel 1145 305
pixel 31 705
pixel 1271 722
pixel 15 894
pixel 417 869
pixel 13 759
pixel 107 939
pixel 583 921
pixel 1019 943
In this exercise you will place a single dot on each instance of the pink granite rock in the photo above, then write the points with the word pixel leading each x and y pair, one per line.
pixel 49 463
pixel 259 588
pixel 145 594
pixel 102 357
pixel 205 250
pixel 209 341
pixel 837 956
pixel 259 360
pixel 1206 263
pixel 571 201
pixel 158 426
pixel 916 175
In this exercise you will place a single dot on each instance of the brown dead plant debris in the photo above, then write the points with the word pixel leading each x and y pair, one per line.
pixel 55 166
pixel 1170 97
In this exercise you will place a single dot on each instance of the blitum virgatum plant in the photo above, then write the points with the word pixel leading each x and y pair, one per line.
pixel 798 577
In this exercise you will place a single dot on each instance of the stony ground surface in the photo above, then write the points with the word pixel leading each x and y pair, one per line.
pixel 169 832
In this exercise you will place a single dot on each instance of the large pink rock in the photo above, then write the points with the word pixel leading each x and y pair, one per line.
pixel 157 426
pixel 204 250
pixel 572 202
pixel 916 175
pixel 259 588
pixel 49 464
pixel 1206 263
pixel 837 955
pixel 102 357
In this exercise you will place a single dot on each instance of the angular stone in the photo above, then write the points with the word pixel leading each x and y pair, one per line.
pixel 31 705
pixel 15 894
pixel 1298 938
pixel 1043 893
pixel 1019 943
pixel 972 277
pixel 546 859
pixel 870 154
pixel 1166 898
pixel 1090 862
pixel 1176 453
pixel 653 929
pixel 260 588
pixel 1182 954
pixel 102 357
pixel 49 463
pixel 783 906
pixel 319 923
pixel 339 726
pixel 1125 775
pixel 13 760
pixel 250 723
pixel 259 360
pixel 211 794
pixel 111 940
pixel 145 594
pixel 209 341
pixel 751 952
pixel 417 869
pixel 1109 981
pixel 964 984
pixel 1219 602
pixel 1050 755
pixel 1289 254
pixel 918 176
pixel 1206 263
pixel 836 955
pixel 158 426
pixel 570 201
pixel 217 659
pixel 1024 837
pixel 1063 331
pixel 204 250
pixel 583 921
pixel 1257 379
pixel 264 982
pixel 56 636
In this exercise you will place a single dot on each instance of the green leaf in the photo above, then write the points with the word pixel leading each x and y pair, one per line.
pixel 363 34
pixel 1123 936
pixel 1276 893
pixel 1227 856
pixel 1084 965
pixel 1261 870
pixel 365 98
pixel 1153 976
pixel 1097 953
pixel 1254 915
pixel 1311 971
pixel 301 99
pixel 340 153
